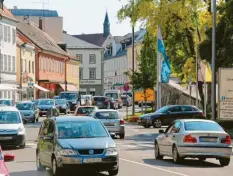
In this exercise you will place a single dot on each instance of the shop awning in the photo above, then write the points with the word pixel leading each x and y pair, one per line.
pixel 70 87
pixel 41 88
pixel 8 87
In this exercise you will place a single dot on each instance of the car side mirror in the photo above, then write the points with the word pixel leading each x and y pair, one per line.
pixel 161 131
pixel 9 157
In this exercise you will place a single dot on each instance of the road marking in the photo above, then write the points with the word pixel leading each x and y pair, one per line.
pixel 153 167
pixel 147 145
pixel 31 145
pixel 132 129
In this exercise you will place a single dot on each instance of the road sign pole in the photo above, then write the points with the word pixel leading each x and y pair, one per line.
pixel 126 106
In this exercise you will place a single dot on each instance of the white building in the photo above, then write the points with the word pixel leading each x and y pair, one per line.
pixel 91 70
pixel 8 86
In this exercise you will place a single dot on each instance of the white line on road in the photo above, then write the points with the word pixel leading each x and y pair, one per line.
pixel 153 167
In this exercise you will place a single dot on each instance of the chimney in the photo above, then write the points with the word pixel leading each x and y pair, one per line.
pixel 28 19
pixel 25 19
pixel 41 23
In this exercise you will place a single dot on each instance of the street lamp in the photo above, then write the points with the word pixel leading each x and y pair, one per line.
pixel 21 70
pixel 132 16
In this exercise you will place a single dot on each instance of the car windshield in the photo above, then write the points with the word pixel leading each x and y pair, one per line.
pixel 9 117
pixel 113 95
pixel 123 97
pixel 60 102
pixel 202 126
pixel 46 102
pixel 129 94
pixel 6 102
pixel 162 110
pixel 82 129
pixel 24 106
pixel 99 98
pixel 107 115
pixel 85 110
pixel 69 96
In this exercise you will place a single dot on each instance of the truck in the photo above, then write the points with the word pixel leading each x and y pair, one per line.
pixel 139 97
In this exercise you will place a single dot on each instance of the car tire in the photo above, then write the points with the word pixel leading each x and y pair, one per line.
pixel 34 119
pixel 37 119
pixel 202 159
pixel 146 126
pixel 175 155
pixel 156 152
pixel 157 123
pixel 22 146
pixel 56 170
pixel 224 161
pixel 39 166
pixel 122 136
pixel 113 172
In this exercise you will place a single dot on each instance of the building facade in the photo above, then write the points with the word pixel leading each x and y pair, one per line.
pixel 91 68
pixel 8 85
pixel 72 72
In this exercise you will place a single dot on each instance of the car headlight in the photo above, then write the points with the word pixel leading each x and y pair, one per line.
pixel 111 151
pixel 67 152
pixel 64 106
pixel 20 129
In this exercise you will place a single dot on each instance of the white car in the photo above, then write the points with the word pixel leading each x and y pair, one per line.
pixel 196 139
pixel 12 131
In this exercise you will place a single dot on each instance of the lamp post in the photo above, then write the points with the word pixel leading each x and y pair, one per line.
pixel 133 23
pixel 21 71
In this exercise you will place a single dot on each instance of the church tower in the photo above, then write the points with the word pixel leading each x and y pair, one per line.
pixel 106 25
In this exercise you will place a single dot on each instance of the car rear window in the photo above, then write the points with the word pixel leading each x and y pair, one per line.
pixel 85 110
pixel 202 126
pixel 107 115
pixel 99 98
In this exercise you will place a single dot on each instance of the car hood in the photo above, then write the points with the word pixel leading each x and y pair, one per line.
pixel 45 106
pixel 61 105
pixel 3 169
pixel 26 111
pixel 9 126
pixel 87 143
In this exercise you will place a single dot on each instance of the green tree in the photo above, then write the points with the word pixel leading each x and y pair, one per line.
pixel 146 75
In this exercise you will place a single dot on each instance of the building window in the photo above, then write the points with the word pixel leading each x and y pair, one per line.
pixel 5 33
pixel 13 36
pixel 8 34
pixel 1 32
pixel 33 64
pixel 13 64
pixel 1 62
pixel 80 73
pixel 5 62
pixel 92 73
pixel 9 63
pixel 29 66
pixel 92 59
pixel 79 57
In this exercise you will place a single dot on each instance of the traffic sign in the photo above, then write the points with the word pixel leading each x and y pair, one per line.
pixel 126 87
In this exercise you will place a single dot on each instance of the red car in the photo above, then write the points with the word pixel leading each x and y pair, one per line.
pixel 5 158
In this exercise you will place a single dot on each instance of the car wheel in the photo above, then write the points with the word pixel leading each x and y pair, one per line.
pixel 37 119
pixel 34 119
pixel 56 170
pixel 22 146
pixel 202 159
pixel 156 152
pixel 122 136
pixel 157 123
pixel 39 166
pixel 146 126
pixel 113 172
pixel 224 161
pixel 176 157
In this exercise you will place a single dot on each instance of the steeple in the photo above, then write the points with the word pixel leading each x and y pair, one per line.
pixel 106 25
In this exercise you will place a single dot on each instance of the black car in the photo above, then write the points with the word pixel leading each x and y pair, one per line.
pixel 101 102
pixel 71 144
pixel 167 114
pixel 44 105
pixel 63 106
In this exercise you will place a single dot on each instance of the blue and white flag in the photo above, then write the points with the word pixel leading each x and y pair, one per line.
pixel 165 70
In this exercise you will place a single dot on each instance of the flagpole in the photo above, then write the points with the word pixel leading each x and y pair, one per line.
pixel 197 68
pixel 158 90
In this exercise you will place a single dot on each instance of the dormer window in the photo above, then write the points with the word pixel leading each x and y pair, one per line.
pixel 109 50
pixel 1 4
pixel 123 46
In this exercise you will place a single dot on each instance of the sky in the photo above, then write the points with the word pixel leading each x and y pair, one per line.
pixel 81 16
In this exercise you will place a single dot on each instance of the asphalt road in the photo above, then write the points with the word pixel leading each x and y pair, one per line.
pixel 136 157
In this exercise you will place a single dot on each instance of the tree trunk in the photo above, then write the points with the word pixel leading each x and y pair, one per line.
pixel 200 88
pixel 145 99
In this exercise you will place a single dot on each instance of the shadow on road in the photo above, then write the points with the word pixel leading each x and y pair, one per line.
pixel 186 163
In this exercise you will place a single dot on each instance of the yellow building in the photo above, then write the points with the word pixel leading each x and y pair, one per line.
pixel 72 74
pixel 26 74
pixel 137 49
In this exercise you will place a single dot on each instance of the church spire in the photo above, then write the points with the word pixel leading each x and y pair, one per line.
pixel 106 25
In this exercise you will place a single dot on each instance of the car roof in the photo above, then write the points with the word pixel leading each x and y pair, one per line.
pixel 21 102
pixel 5 99
pixel 73 119
pixel 8 108
pixel 195 120
pixel 61 99
pixel 87 107
pixel 106 110
pixel 48 99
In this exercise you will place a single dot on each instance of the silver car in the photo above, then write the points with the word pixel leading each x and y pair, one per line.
pixel 111 120
pixel 196 139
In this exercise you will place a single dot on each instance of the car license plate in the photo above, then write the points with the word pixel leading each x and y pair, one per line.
pixel 98 104
pixel 208 139
pixel 108 124
pixel 92 160
pixel 5 138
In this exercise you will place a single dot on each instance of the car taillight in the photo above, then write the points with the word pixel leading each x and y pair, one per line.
pixel 201 113
pixel 226 140
pixel 106 101
pixel 189 139
pixel 122 122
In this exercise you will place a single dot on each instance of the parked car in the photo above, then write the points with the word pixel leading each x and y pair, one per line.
pixel 8 102
pixel 72 144
pixel 12 131
pixel 28 110
pixel 167 114
pixel 127 101
pixel 116 95
pixel 113 103
pixel 194 138
pixel 44 105
pixel 84 110
pixel 111 120
pixel 101 102
pixel 35 102
pixel 56 97
pixel 7 157
pixel 63 106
